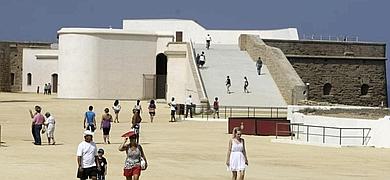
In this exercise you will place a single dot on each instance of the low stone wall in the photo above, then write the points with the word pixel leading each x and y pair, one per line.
pixel 286 78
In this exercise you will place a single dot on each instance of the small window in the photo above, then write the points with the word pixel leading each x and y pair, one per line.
pixel 12 79
pixel 327 88
pixel 29 77
pixel 364 89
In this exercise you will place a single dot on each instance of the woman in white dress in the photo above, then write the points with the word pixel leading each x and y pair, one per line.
pixel 50 127
pixel 236 155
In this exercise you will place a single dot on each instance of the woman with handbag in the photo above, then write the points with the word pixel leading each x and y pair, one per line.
pixel 106 125
pixel 135 158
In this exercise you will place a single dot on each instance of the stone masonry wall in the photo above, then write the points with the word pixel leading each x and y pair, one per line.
pixel 11 61
pixel 345 65
pixel 346 77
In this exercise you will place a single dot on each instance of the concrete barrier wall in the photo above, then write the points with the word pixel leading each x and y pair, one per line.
pixel 286 78
pixel 378 135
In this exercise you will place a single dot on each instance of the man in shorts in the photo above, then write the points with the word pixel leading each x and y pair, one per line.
pixel 89 119
pixel 87 158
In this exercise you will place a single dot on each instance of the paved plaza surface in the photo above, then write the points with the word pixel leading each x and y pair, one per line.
pixel 227 60
pixel 175 151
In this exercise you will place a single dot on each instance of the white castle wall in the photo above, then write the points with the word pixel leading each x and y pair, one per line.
pixel 104 63
pixel 195 32
pixel 41 63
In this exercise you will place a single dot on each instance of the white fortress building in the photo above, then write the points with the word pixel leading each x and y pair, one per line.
pixel 146 59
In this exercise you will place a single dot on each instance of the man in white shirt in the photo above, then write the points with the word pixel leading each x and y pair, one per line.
pixel 189 106
pixel 172 105
pixel 87 158
pixel 202 59
pixel 208 41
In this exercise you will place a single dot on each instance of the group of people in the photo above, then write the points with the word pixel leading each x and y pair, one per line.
pixel 228 84
pixel 91 162
pixel 42 124
pixel 200 59
pixel 47 89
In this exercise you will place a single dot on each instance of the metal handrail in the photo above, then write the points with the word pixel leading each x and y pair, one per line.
pixel 239 111
pixel 202 87
pixel 365 136
pixel 330 38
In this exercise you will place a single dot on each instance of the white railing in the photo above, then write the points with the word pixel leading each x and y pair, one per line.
pixel 330 38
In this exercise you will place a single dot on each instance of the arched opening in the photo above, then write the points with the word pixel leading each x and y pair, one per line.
pixel 327 88
pixel 29 79
pixel 54 82
pixel 161 75
pixel 12 79
pixel 364 89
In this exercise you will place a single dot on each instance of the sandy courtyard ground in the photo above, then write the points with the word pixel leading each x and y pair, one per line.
pixel 175 151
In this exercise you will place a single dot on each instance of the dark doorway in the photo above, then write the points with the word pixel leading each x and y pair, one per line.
pixel 179 36
pixel 161 75
pixel 326 89
pixel 54 82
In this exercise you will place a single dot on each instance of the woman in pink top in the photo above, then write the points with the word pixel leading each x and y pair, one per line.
pixel 37 122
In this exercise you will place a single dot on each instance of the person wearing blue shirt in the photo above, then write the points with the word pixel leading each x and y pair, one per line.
pixel 89 120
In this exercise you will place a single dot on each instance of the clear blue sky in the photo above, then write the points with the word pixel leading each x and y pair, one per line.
pixel 38 20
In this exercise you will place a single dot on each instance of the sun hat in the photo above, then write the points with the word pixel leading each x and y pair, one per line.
pixel 129 134
pixel 88 132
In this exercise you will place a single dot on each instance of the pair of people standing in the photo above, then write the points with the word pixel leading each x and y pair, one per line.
pixel 228 84
pixel 42 124
pixel 47 89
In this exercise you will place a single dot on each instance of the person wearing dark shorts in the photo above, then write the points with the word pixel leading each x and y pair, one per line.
pixel 152 110
pixel 87 158
pixel 106 125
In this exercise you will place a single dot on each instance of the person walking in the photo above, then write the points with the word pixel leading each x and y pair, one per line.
pixel 259 64
pixel 208 41
pixel 197 59
pixel 105 125
pixel 50 124
pixel 228 84
pixel 236 155
pixel 189 105
pixel 137 107
pixel 202 59
pixel 45 89
pixel 246 84
pixel 117 108
pixel 101 175
pixel 173 107
pixel 136 124
pixel 48 88
pixel 216 107
pixel 37 122
pixel 152 110
pixel 89 119
pixel 135 158
pixel 87 158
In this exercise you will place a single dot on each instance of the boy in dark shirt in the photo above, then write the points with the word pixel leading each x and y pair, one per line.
pixel 103 165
